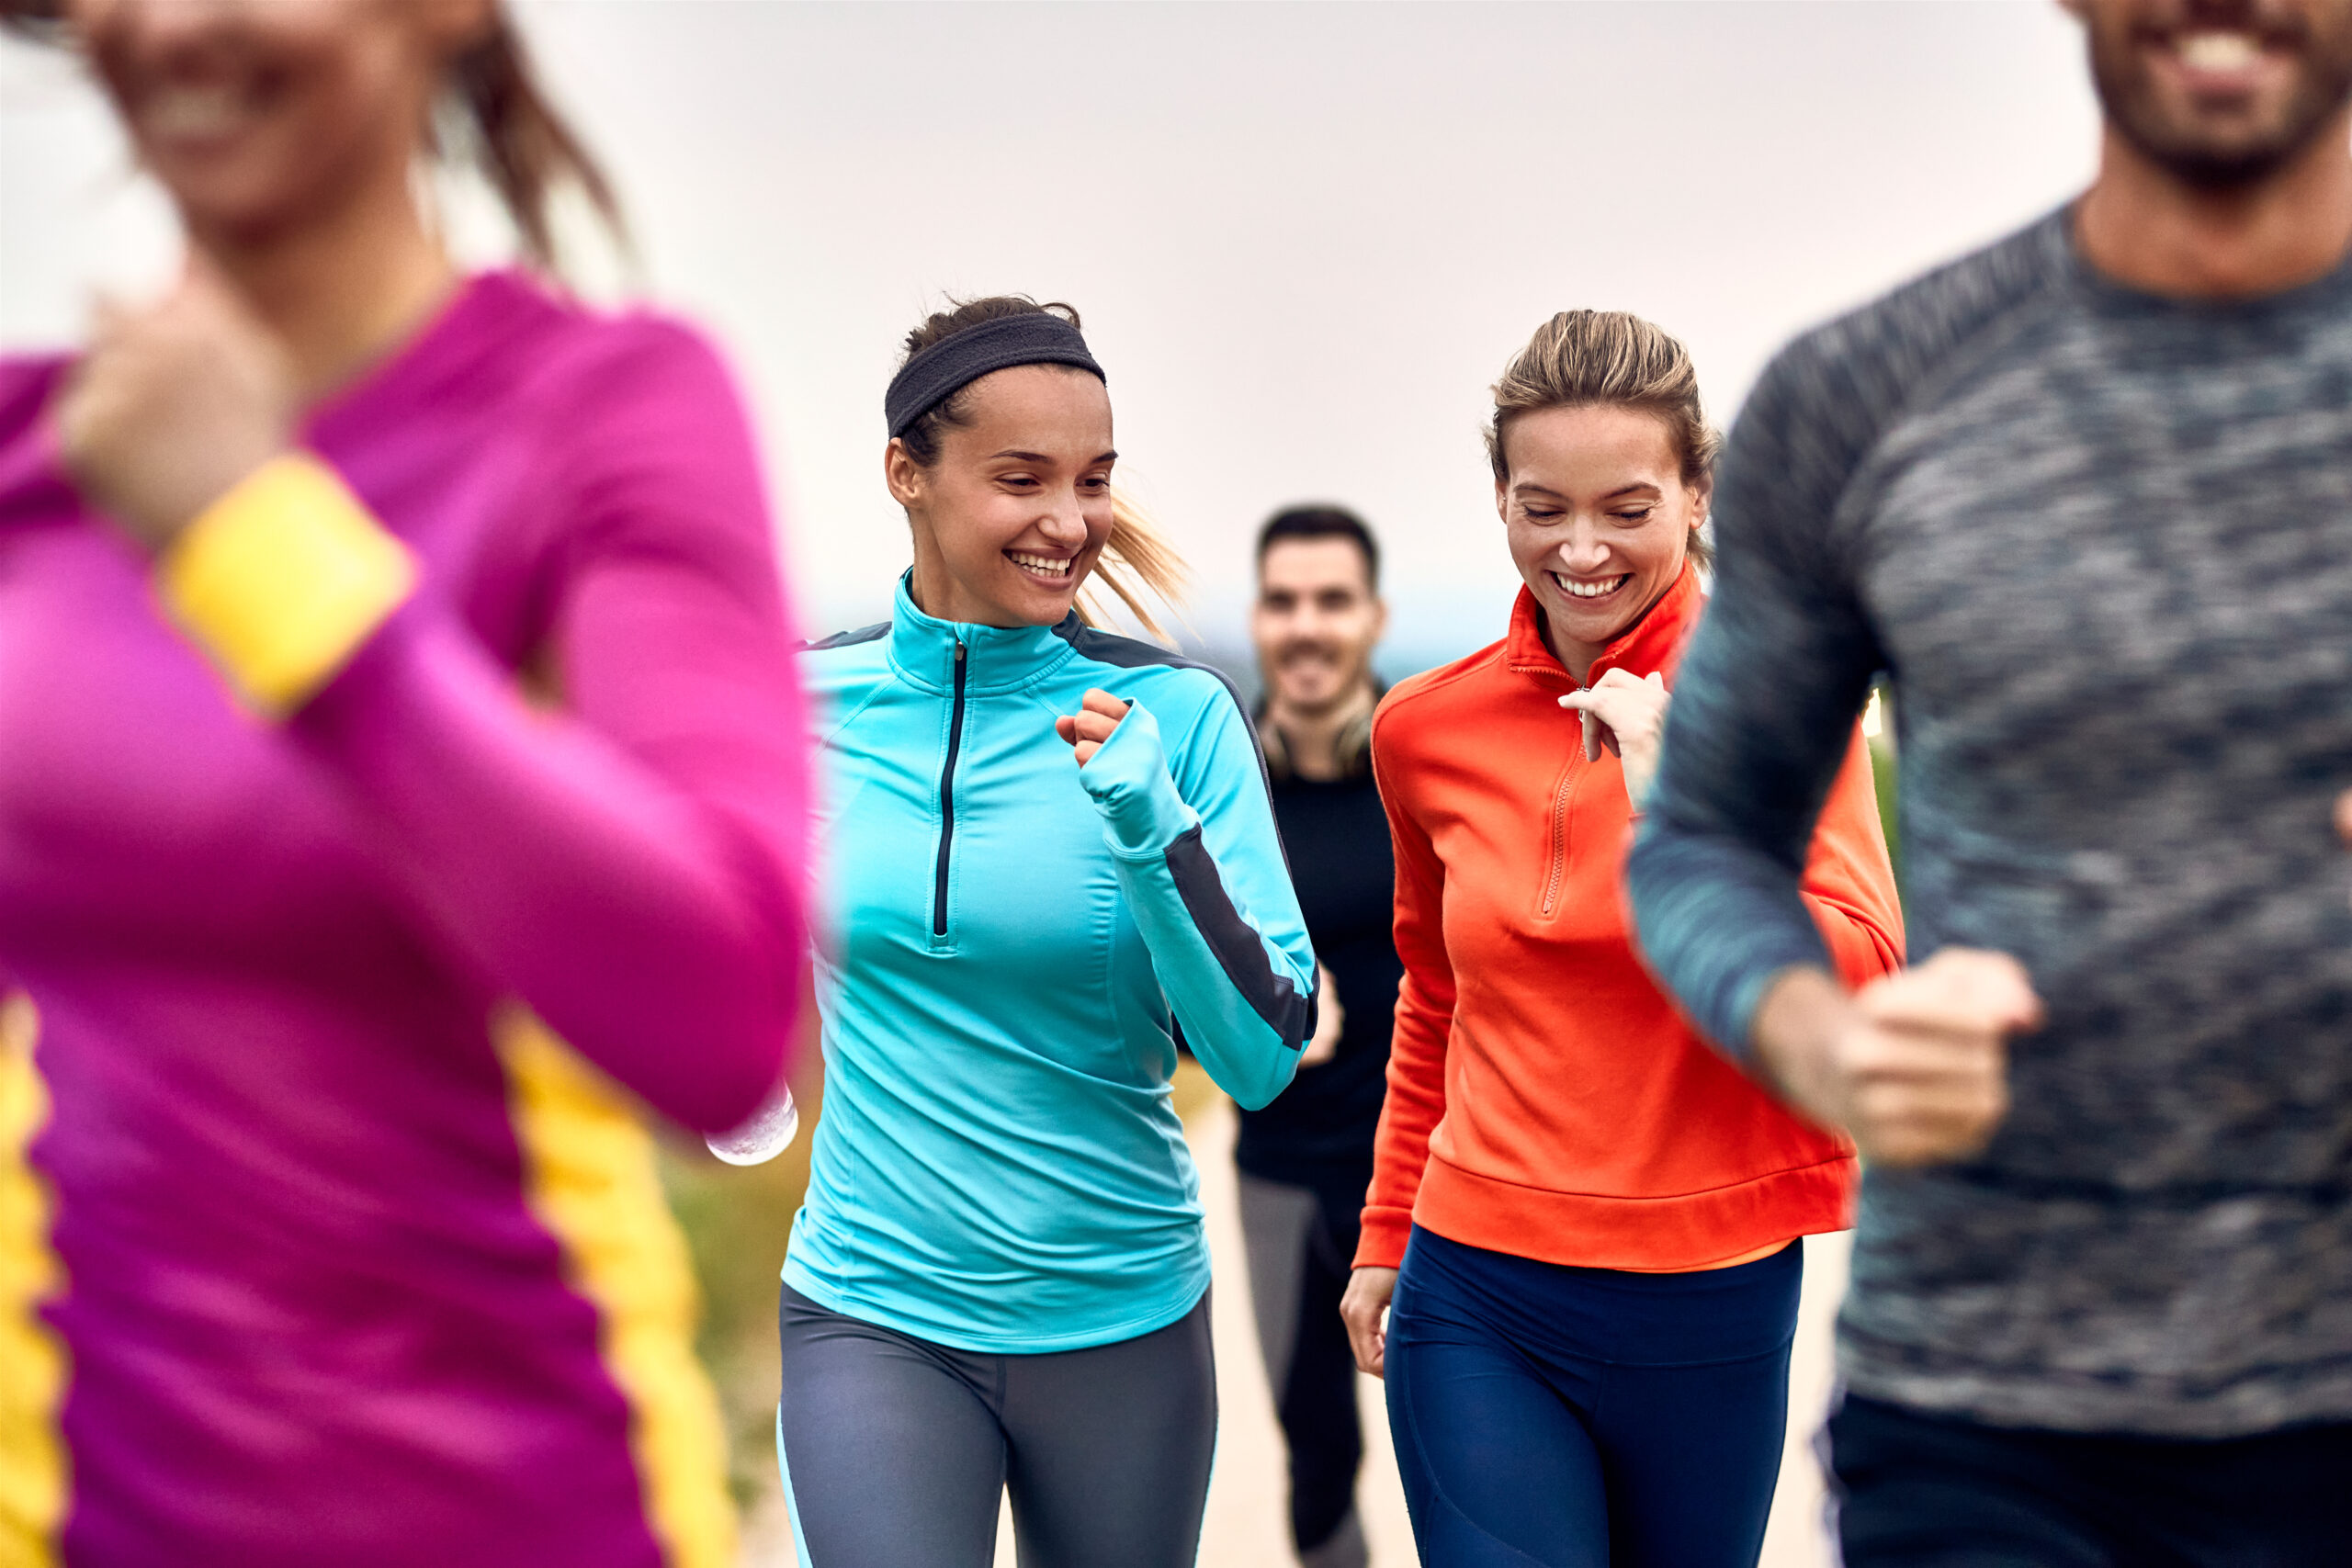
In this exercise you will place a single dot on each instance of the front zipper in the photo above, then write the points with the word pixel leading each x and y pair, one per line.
pixel 1557 862
pixel 948 801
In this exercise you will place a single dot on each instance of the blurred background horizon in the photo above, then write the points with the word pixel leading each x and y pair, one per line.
pixel 1305 237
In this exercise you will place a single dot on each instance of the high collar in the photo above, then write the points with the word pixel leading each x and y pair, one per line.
pixel 996 659
pixel 1653 643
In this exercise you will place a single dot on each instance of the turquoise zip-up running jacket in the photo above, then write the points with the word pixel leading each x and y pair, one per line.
pixel 1011 946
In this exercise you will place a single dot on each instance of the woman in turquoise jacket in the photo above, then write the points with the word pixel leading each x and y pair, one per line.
pixel 1052 857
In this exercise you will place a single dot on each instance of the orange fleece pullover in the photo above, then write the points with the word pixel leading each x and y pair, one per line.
pixel 1545 1099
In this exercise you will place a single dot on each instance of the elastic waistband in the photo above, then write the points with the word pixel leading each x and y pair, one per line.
pixel 1607 1314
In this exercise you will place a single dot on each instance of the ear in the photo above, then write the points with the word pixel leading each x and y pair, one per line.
pixel 1379 618
pixel 1702 502
pixel 908 482
pixel 1502 502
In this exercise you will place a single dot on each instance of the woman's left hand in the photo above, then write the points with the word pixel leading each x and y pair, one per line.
pixel 1089 728
pixel 1625 712
pixel 172 405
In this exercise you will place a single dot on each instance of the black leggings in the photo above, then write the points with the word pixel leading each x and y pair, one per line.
pixel 1920 1489
pixel 1301 1241
pixel 895 1451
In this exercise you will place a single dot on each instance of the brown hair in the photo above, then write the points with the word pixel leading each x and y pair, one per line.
pixel 1138 560
pixel 510 131
pixel 1615 359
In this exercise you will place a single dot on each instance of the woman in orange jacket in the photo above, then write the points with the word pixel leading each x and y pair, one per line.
pixel 1587 1218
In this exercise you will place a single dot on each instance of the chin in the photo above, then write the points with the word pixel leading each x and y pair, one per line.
pixel 238 200
pixel 1313 694
pixel 1041 607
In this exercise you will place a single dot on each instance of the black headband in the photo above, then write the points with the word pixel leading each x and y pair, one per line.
pixel 938 373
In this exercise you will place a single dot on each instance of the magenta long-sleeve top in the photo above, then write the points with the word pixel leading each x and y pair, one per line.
pixel 311 1312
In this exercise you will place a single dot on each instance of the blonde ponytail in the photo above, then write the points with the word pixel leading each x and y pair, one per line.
pixel 1137 565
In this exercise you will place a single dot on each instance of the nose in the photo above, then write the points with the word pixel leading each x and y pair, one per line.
pixel 1065 522
pixel 1584 553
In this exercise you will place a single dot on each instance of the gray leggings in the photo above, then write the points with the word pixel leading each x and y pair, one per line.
pixel 895 1451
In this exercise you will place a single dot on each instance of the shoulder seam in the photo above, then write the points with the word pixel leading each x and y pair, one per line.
pixel 1428 682
pixel 1134 653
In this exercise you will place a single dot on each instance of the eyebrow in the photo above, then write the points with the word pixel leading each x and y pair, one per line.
pixel 1041 458
pixel 1531 488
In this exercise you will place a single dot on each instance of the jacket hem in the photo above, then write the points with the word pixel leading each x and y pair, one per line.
pixel 980 1341
pixel 1685 1231
pixel 2031 1399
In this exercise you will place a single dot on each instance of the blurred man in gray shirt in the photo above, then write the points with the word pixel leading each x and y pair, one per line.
pixel 2085 500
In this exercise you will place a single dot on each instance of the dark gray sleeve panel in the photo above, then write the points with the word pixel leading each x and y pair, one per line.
pixel 1239 950
pixel 1765 699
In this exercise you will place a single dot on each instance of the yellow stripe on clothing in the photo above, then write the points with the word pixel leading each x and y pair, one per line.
pixel 589 1164
pixel 282 579
pixel 32 1364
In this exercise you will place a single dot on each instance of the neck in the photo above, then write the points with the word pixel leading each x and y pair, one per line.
pixel 939 594
pixel 2141 226
pixel 342 288
pixel 1311 736
pixel 1577 658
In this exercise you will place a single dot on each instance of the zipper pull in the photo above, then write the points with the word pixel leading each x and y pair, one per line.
pixel 959 651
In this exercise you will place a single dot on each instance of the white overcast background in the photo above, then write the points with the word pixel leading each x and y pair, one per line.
pixel 1305 237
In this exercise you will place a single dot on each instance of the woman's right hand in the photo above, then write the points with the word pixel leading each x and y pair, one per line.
pixel 1365 1309
pixel 172 405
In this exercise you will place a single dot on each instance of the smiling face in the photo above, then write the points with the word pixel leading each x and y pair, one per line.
pixel 2219 93
pixel 1014 515
pixel 256 115
pixel 1600 520
pixel 1316 623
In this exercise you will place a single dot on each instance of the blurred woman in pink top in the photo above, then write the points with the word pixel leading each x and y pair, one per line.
pixel 393 679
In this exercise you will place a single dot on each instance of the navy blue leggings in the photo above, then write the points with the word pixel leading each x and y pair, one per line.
pixel 1587 1418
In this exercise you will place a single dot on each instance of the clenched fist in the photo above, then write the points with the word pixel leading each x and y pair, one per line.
pixel 1914 1066
pixel 1086 729
pixel 172 405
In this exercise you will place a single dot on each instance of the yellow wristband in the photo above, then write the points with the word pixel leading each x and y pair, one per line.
pixel 281 580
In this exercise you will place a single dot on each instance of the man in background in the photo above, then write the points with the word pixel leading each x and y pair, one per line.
pixel 2086 498
pixel 1305 1159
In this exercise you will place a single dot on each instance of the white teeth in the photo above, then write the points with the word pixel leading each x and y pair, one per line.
pixel 191 111
pixel 1039 566
pixel 1590 589
pixel 2219 52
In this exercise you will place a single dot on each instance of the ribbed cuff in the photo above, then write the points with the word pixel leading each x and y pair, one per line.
pixel 1380 1243
pixel 1142 812
pixel 281 581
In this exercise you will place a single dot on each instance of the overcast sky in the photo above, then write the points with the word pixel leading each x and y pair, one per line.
pixel 1305 238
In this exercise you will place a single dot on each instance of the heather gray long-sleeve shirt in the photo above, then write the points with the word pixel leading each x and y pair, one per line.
pixel 2101 544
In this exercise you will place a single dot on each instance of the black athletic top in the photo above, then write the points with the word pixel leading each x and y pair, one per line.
pixel 1321 1128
